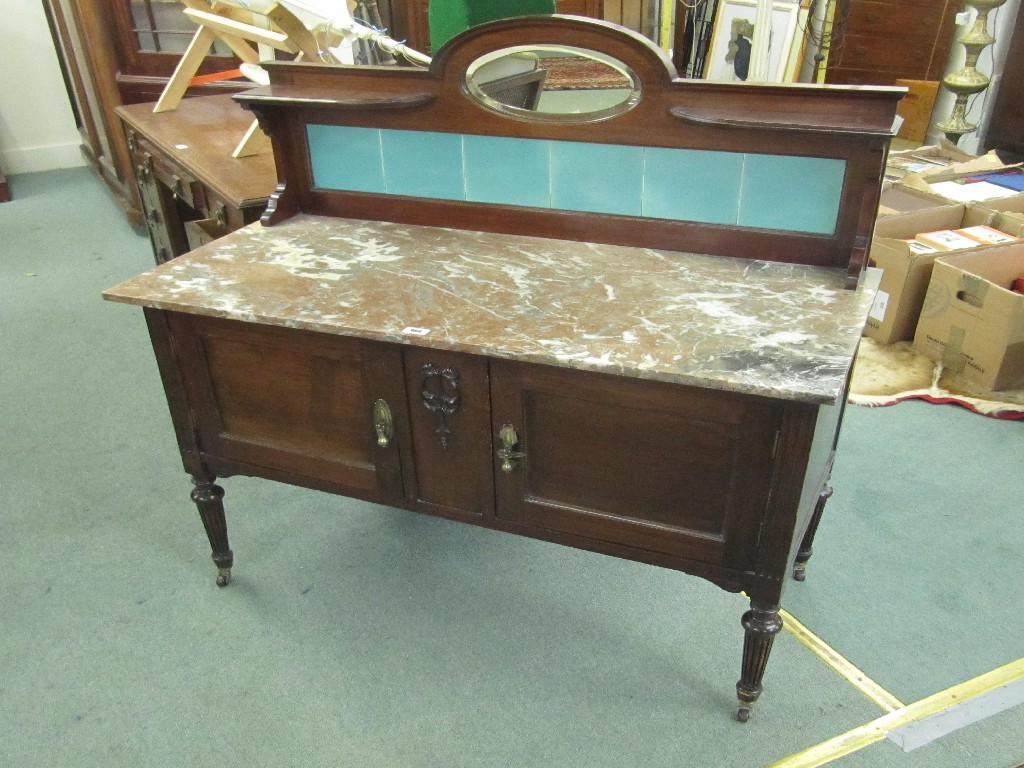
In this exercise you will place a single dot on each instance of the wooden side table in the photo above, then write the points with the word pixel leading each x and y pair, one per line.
pixel 192 189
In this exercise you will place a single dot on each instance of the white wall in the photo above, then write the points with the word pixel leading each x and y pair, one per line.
pixel 1000 26
pixel 37 126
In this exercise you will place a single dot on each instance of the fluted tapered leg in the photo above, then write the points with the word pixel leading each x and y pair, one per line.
pixel 208 498
pixel 760 624
pixel 806 545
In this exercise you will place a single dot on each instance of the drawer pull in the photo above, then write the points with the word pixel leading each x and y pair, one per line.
pixel 383 424
pixel 220 213
pixel 507 453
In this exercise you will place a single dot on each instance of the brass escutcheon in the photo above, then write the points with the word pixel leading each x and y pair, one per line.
pixel 507 453
pixel 383 424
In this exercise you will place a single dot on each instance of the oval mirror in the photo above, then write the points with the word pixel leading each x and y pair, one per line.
pixel 553 82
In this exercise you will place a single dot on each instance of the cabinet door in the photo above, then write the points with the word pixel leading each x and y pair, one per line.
pixel 449 420
pixel 296 402
pixel 664 468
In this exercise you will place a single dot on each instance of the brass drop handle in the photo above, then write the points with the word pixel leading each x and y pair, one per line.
pixel 507 453
pixel 383 424
pixel 220 214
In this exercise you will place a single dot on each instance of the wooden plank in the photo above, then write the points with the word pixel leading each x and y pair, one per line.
pixel 175 89
pixel 219 24
pixel 916 108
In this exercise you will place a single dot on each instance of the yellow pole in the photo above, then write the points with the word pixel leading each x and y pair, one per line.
pixel 668 12
pixel 878 729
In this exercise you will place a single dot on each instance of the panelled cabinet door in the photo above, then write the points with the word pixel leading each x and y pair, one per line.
pixel 666 469
pixel 313 405
pixel 449 421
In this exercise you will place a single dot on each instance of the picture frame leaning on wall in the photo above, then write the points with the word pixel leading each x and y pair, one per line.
pixel 732 36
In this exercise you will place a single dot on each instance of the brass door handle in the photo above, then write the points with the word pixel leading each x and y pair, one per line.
pixel 509 456
pixel 383 424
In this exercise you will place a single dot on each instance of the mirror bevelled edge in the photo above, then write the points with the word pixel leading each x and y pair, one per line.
pixel 552 83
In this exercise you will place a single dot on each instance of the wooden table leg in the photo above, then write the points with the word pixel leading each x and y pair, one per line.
pixel 761 624
pixel 806 548
pixel 208 498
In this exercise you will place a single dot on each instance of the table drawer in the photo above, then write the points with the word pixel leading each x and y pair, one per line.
pixel 183 185
pixel 893 21
pixel 910 57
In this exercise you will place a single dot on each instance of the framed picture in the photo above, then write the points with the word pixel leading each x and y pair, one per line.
pixel 729 58
pixel 798 50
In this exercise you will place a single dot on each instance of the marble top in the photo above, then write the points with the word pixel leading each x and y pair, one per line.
pixel 757 327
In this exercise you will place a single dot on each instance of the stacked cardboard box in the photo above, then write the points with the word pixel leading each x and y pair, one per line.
pixel 907 268
pixel 972 320
pixel 950 265
pixel 898 198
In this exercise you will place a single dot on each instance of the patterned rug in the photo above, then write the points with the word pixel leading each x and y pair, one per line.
pixel 886 375
pixel 570 73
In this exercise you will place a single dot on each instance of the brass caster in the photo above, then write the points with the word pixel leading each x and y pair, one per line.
pixel 743 713
pixel 223 577
pixel 799 572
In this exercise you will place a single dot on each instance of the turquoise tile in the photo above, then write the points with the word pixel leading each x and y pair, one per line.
pixel 507 171
pixel 423 164
pixel 599 178
pixel 692 185
pixel 346 158
pixel 791 193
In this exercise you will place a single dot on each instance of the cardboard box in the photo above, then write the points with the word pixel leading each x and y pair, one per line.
pixel 894 314
pixel 1013 204
pixel 924 161
pixel 898 198
pixel 943 180
pixel 1012 207
pixel 971 321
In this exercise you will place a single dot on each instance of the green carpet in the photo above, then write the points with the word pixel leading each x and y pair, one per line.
pixel 358 635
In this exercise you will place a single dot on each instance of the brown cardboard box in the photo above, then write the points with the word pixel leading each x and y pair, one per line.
pixel 971 320
pixel 951 164
pixel 933 179
pixel 893 316
pixel 898 198
pixel 899 162
pixel 1013 207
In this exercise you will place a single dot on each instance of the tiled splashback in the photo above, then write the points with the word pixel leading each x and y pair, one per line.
pixel 783 192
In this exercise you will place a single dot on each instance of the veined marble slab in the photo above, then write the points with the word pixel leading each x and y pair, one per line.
pixel 756 327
